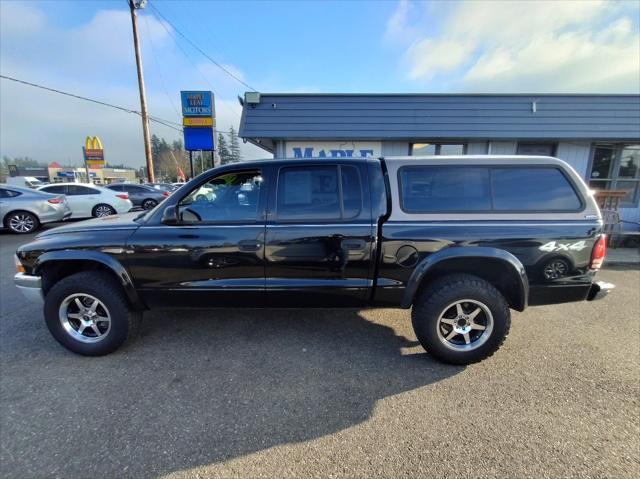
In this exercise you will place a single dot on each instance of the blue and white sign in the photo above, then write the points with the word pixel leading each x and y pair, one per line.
pixel 197 103
pixel 198 138
pixel 333 149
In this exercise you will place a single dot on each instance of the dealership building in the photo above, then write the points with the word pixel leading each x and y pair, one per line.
pixel 598 135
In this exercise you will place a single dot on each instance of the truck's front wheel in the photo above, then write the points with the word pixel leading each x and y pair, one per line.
pixel 88 313
pixel 461 319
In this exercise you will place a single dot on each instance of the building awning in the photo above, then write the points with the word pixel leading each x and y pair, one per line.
pixel 279 116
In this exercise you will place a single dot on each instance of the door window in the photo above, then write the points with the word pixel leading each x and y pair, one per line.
pixel 77 190
pixel 536 149
pixel 418 149
pixel 616 167
pixel 315 193
pixel 134 189
pixel 231 197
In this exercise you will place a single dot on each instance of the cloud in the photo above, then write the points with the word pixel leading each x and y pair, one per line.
pixel 564 46
pixel 429 57
pixel 96 59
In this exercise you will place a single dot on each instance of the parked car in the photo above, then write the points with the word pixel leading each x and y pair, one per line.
pixel 461 240
pixel 23 210
pixel 141 195
pixel 88 200
pixel 163 186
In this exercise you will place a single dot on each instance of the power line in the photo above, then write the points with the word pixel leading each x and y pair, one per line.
pixel 157 64
pixel 200 49
pixel 155 119
pixel 186 55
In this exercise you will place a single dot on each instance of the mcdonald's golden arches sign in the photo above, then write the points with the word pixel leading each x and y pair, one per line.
pixel 93 152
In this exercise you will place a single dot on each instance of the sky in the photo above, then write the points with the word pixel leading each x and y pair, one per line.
pixel 85 47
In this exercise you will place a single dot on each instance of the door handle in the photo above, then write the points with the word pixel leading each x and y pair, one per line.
pixel 353 245
pixel 249 245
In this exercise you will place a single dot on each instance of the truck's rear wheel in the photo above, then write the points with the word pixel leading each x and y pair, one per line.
pixel 88 313
pixel 461 319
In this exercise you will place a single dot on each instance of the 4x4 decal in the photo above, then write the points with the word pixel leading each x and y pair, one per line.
pixel 557 246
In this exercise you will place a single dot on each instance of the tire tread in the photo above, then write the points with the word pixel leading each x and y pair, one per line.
pixel 431 297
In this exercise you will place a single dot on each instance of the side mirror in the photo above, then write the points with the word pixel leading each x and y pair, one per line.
pixel 170 216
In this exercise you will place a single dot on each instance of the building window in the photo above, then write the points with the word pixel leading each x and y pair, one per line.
pixel 537 149
pixel 425 149
pixel 616 167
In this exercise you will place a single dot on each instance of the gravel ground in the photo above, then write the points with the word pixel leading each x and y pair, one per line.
pixel 322 393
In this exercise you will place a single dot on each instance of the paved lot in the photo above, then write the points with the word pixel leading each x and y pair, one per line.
pixel 323 393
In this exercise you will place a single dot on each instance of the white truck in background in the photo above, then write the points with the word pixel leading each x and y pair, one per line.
pixel 24 181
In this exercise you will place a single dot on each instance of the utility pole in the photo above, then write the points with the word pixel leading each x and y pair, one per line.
pixel 135 5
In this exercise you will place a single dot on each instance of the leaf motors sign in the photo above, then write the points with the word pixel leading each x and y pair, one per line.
pixel 333 149
pixel 197 103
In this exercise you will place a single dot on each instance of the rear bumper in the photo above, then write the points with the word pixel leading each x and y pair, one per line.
pixel 30 286
pixel 599 290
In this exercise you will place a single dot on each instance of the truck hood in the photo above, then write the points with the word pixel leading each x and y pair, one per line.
pixel 108 223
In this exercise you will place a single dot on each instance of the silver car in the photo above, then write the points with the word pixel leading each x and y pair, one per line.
pixel 23 210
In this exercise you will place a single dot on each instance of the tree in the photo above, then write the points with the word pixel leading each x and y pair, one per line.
pixel 168 158
pixel 234 147
pixel 223 150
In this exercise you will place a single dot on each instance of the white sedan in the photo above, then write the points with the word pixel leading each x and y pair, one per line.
pixel 91 200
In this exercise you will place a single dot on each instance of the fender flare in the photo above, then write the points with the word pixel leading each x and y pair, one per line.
pixel 96 256
pixel 481 252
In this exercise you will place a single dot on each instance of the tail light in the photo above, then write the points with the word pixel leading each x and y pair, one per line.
pixel 123 197
pixel 166 193
pixel 55 201
pixel 599 252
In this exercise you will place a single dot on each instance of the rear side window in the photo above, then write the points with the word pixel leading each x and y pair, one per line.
pixel 319 193
pixel 532 189
pixel 8 193
pixel 426 189
pixel 438 189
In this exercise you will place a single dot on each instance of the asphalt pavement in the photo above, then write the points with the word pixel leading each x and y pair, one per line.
pixel 322 393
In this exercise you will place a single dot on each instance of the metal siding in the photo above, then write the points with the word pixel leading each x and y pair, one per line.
pixel 576 154
pixel 395 148
pixel 443 117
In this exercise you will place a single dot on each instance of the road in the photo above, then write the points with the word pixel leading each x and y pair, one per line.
pixel 322 393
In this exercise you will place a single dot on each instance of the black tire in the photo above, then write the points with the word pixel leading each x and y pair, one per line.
pixel 437 298
pixel 102 208
pixel 21 222
pixel 149 203
pixel 102 286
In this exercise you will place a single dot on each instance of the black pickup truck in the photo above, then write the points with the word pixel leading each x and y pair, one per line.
pixel 460 240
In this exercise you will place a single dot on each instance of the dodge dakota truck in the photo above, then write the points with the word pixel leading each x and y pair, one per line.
pixel 461 241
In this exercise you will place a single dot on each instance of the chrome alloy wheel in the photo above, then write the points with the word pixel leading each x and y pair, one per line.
pixel 465 325
pixel 85 318
pixel 103 210
pixel 22 223
pixel 149 204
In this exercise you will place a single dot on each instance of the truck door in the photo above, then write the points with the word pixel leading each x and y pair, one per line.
pixel 213 256
pixel 319 235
